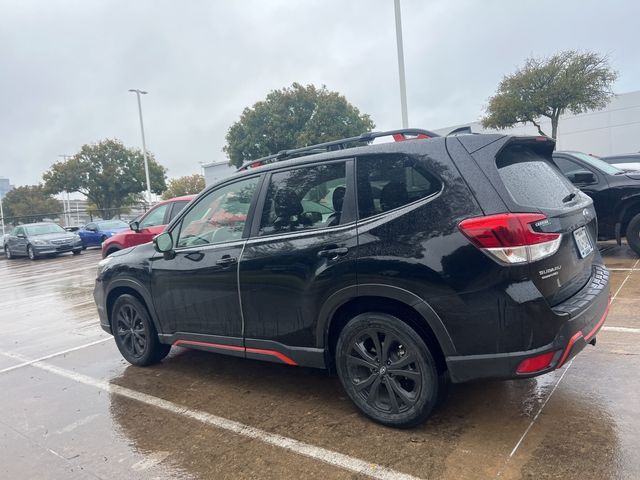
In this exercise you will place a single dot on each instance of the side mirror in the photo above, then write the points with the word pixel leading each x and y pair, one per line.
pixel 163 243
pixel 135 226
pixel 584 178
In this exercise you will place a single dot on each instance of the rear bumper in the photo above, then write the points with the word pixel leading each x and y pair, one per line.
pixel 583 315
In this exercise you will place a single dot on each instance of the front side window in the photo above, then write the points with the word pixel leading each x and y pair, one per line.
pixel 304 198
pixel 219 216
pixel 386 182
pixel 155 217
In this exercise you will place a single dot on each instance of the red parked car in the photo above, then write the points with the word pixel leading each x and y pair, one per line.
pixel 148 226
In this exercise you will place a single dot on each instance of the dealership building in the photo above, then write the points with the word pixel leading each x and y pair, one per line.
pixel 614 129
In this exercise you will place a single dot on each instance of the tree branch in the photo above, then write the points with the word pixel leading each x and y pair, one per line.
pixel 537 125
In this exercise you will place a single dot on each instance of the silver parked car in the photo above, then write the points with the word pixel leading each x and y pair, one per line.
pixel 37 239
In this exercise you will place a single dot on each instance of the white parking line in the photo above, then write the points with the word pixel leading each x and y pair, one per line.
pixel 46 357
pixel 330 457
pixel 621 329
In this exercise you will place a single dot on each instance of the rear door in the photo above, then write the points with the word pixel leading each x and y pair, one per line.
pixel 302 251
pixel 534 184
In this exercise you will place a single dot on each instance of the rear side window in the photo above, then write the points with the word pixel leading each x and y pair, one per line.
pixel 304 198
pixel 176 208
pixel 386 182
pixel 531 179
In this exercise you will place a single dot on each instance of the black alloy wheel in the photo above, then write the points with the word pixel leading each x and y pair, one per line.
pixel 135 334
pixel 387 370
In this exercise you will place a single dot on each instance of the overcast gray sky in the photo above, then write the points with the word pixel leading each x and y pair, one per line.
pixel 66 66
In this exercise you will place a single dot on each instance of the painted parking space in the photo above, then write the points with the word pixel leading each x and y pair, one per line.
pixel 75 413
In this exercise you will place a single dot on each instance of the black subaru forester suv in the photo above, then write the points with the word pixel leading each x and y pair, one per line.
pixel 400 265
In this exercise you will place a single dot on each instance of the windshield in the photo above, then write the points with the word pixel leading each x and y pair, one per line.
pixel 44 229
pixel 597 163
pixel 112 224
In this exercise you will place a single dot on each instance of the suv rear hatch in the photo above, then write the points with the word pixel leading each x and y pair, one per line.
pixel 548 223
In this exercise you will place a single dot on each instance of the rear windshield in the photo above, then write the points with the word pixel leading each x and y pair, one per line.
pixel 531 179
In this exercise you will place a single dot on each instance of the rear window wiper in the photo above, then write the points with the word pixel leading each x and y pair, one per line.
pixel 569 197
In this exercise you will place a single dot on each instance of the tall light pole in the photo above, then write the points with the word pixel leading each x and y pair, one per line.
pixel 144 145
pixel 403 86
pixel 2 216
pixel 66 204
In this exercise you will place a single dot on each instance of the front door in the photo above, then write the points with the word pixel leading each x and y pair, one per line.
pixel 196 292
pixel 302 251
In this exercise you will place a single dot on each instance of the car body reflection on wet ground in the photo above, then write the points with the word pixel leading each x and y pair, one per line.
pixel 70 407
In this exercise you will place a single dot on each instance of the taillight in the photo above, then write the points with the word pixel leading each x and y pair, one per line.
pixel 509 237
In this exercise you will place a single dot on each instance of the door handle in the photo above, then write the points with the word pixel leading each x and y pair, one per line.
pixel 333 253
pixel 227 260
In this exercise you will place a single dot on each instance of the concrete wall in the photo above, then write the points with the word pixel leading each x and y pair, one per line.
pixel 217 171
pixel 614 129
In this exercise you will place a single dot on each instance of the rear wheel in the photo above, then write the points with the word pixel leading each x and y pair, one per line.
pixel 134 332
pixel 102 239
pixel 387 370
pixel 633 234
pixel 31 253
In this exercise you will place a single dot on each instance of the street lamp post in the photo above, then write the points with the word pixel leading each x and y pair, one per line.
pixel 2 215
pixel 144 146
pixel 403 86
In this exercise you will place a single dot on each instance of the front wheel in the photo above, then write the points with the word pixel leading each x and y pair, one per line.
pixel 633 234
pixel 134 332
pixel 77 251
pixel 387 370
pixel 8 253
pixel 31 253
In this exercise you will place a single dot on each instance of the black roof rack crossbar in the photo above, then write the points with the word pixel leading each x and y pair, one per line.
pixel 344 143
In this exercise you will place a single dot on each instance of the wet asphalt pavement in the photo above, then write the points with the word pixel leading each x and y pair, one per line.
pixel 72 408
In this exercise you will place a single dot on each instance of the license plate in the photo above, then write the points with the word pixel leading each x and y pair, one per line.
pixel 583 242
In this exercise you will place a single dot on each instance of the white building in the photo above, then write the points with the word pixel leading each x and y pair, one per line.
pixel 614 129
pixel 216 171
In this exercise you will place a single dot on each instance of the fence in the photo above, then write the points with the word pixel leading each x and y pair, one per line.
pixel 77 216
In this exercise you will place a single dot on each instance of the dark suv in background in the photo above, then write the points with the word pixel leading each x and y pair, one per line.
pixel 400 265
pixel 615 193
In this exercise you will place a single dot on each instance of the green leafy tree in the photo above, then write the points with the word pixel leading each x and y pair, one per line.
pixel 187 185
pixel 107 173
pixel 567 81
pixel 293 117
pixel 30 203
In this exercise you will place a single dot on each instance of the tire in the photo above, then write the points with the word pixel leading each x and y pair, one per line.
pixel 113 250
pixel 32 255
pixel 633 234
pixel 369 378
pixel 102 239
pixel 78 251
pixel 84 247
pixel 134 332
pixel 8 253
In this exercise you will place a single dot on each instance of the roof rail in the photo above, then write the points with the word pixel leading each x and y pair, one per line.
pixel 345 143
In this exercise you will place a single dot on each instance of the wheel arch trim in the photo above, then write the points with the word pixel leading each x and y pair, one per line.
pixel 410 299
pixel 141 290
